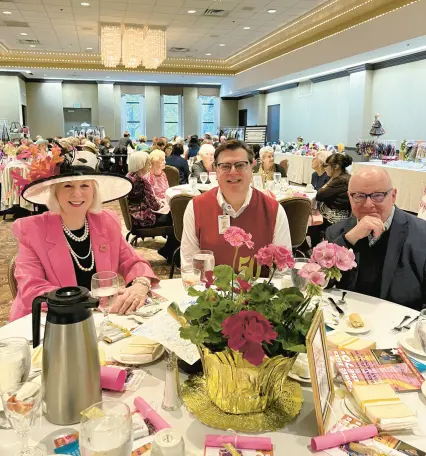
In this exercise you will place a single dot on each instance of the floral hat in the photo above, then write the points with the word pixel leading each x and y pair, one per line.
pixel 61 165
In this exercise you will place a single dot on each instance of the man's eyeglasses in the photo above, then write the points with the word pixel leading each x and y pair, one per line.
pixel 239 166
pixel 376 197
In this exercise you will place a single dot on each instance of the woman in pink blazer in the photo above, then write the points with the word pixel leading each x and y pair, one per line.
pixel 76 238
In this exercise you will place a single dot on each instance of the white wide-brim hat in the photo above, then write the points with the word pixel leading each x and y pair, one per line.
pixel 111 186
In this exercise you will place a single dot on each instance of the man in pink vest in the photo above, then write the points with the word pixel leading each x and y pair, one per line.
pixel 234 203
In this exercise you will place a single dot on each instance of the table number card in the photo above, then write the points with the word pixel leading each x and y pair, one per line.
pixel 320 368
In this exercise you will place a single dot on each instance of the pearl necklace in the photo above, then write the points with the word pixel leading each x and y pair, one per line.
pixel 72 236
pixel 76 257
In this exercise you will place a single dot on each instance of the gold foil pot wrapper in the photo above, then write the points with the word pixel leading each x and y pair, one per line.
pixel 237 386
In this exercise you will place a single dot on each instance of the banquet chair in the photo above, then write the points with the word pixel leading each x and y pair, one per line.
pixel 13 284
pixel 140 232
pixel 172 174
pixel 177 208
pixel 298 210
pixel 284 164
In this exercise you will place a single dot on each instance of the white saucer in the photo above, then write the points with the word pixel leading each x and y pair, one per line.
pixel 407 342
pixel 345 326
pixel 117 357
pixel 294 376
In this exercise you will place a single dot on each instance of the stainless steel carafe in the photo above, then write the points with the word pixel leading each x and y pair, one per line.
pixel 71 370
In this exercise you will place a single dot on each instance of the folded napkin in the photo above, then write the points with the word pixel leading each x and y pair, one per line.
pixel 140 349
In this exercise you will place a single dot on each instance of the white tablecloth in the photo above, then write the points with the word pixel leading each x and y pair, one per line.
pixel 292 440
pixel 299 167
pixel 409 182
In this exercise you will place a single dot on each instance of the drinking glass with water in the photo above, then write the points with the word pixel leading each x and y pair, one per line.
pixel 203 260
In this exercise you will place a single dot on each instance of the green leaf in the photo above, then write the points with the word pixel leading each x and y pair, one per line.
pixel 262 292
pixel 193 292
pixel 196 311
pixel 196 334
pixel 223 276
pixel 299 348
pixel 290 291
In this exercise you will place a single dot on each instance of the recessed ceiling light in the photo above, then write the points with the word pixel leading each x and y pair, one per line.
pixel 32 45
pixel 221 44
pixel 246 28
pixel 192 11
pixel 24 34
pixel 272 11
pixel 7 12
pixel 89 49
pixel 28 72
pixel 85 4
pixel 208 54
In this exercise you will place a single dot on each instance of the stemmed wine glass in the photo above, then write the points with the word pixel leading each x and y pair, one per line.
pixel 284 184
pixel 204 177
pixel 192 184
pixel 15 365
pixel 105 287
pixel 213 179
pixel 21 403
pixel 203 260
pixel 106 428
pixel 277 178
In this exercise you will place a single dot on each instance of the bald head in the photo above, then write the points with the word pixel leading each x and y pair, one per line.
pixel 369 180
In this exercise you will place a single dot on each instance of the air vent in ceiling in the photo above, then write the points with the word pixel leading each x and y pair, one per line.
pixel 215 13
pixel 248 8
pixel 214 36
pixel 15 24
pixel 86 28
pixel 29 41
pixel 178 49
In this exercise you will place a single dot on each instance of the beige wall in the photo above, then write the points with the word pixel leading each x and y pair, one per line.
pixel 45 109
pixel 190 111
pixel 153 111
pixel 228 113
pixel 107 112
pixel 85 95
pixel 10 106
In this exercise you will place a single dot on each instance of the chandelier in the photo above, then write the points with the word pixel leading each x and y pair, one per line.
pixel 132 46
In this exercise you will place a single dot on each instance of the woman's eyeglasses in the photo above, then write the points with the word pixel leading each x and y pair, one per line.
pixel 376 197
pixel 239 166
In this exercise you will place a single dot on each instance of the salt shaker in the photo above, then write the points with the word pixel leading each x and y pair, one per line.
pixel 168 442
pixel 172 397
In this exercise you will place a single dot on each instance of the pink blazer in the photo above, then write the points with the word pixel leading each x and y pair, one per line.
pixel 44 262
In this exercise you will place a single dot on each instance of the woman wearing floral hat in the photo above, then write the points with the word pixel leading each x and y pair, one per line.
pixel 76 237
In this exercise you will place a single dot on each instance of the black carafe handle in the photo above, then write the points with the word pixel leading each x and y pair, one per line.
pixel 36 318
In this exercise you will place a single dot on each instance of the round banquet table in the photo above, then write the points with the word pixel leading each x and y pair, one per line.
pixel 299 167
pixel 293 439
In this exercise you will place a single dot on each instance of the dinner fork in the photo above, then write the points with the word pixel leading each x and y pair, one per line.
pixel 408 325
pixel 398 328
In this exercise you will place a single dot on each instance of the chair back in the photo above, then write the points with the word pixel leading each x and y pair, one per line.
pixel 13 284
pixel 284 164
pixel 177 208
pixel 172 174
pixel 298 210
pixel 124 205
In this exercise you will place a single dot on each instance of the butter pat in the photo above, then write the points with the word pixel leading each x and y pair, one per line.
pixel 381 393
pixel 140 350
pixel 342 341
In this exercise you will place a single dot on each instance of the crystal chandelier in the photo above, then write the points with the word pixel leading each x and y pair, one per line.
pixel 133 46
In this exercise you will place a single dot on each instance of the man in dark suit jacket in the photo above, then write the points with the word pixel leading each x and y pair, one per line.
pixel 389 244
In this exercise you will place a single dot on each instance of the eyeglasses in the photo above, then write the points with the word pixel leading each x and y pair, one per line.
pixel 376 197
pixel 239 166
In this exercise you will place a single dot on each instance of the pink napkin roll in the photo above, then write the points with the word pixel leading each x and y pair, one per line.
pixel 112 378
pixel 324 442
pixel 239 442
pixel 147 412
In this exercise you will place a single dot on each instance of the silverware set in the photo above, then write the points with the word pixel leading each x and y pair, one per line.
pixel 403 326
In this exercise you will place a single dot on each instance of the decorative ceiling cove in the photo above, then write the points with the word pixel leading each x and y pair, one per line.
pixel 233 47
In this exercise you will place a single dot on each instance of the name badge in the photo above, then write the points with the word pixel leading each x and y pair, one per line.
pixel 224 223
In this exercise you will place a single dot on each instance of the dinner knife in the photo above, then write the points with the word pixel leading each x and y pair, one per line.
pixel 341 312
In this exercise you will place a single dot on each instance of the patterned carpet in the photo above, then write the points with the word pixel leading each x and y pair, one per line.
pixel 9 248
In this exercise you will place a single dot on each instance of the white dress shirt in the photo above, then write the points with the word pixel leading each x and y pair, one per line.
pixel 190 243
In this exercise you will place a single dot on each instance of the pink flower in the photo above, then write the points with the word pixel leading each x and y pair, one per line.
pixel 345 259
pixel 308 269
pixel 283 258
pixel 265 256
pixel 325 254
pixel 237 237
pixel 246 331
pixel 317 278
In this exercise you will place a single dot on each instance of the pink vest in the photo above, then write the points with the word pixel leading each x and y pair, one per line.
pixel 258 219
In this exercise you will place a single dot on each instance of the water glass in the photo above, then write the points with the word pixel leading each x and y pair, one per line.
pixel 213 179
pixel 420 332
pixel 192 184
pixel 270 185
pixel 203 260
pixel 204 177
pixel 105 287
pixel 106 428
pixel 190 277
pixel 277 178
pixel 15 365
pixel 284 184
pixel 299 282
pixel 21 403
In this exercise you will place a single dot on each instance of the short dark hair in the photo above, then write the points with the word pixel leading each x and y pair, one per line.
pixel 341 160
pixel 177 149
pixel 233 144
pixel 161 144
pixel 256 150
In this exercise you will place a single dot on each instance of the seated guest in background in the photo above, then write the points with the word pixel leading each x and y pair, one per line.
pixel 389 244
pixel 222 139
pixel 180 140
pixel 168 149
pixel 105 164
pixel 65 246
pixel 238 204
pixel 193 147
pixel 215 141
pixel 178 162
pixel 144 205
pixel 121 149
pixel 157 177
pixel 205 165
pixel 160 145
pixel 142 145
pixel 267 167
pixel 256 151
pixel 319 176
pixel 97 141
pixel 333 197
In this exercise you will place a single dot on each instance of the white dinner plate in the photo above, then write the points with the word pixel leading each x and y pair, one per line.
pixel 117 357
pixel 345 326
pixel 294 376
pixel 406 341
pixel 204 187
